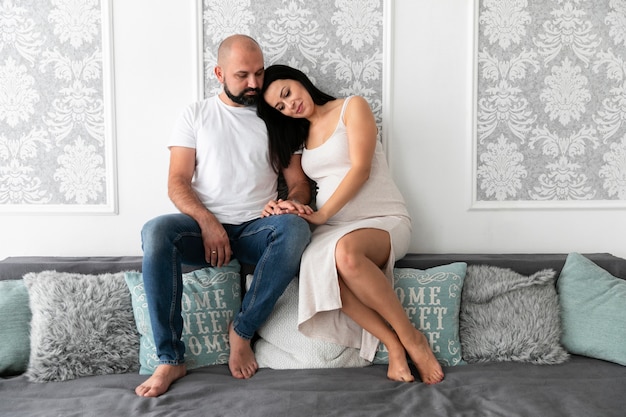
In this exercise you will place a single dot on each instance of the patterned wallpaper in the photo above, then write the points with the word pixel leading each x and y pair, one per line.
pixel 551 102
pixel 337 43
pixel 55 153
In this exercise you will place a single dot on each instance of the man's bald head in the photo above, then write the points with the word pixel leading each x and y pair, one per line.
pixel 241 43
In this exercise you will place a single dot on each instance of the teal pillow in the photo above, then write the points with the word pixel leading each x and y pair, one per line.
pixel 14 327
pixel 432 300
pixel 593 310
pixel 211 298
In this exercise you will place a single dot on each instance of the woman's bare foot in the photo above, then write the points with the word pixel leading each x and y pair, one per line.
pixel 424 359
pixel 398 369
pixel 161 379
pixel 241 362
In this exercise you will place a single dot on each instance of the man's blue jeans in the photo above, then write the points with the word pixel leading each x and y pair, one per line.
pixel 274 244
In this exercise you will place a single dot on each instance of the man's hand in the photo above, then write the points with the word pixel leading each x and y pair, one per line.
pixel 280 206
pixel 217 249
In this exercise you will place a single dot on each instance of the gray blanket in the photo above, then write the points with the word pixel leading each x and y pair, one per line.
pixel 582 387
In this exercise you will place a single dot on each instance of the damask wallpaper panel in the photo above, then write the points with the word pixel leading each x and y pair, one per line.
pixel 550 104
pixel 339 44
pixel 56 101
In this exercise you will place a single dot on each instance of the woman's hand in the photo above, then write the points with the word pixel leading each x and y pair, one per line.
pixel 280 206
pixel 315 217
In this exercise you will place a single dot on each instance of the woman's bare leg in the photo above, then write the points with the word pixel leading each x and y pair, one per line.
pixel 371 321
pixel 360 255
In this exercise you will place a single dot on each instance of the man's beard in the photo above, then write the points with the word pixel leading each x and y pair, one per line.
pixel 243 98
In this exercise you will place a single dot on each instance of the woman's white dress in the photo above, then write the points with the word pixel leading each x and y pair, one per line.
pixel 378 205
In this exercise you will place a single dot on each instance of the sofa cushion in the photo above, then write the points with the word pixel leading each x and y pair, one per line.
pixel 282 346
pixel 432 300
pixel 211 298
pixel 522 263
pixel 14 327
pixel 506 316
pixel 81 325
pixel 593 308
pixel 15 267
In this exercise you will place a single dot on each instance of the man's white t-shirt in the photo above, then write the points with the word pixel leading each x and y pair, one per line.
pixel 234 178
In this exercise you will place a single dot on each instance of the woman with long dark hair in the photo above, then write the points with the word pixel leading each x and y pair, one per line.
pixel 361 225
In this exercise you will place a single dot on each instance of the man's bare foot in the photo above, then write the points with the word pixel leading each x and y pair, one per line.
pixel 398 369
pixel 161 379
pixel 241 362
pixel 424 359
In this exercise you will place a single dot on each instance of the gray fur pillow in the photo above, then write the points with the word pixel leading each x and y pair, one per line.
pixel 506 316
pixel 81 325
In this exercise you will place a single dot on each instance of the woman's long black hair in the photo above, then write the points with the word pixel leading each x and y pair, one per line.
pixel 286 134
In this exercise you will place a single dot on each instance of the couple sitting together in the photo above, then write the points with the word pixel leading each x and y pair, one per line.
pixel 226 153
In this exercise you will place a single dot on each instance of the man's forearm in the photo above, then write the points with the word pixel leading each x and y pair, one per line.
pixel 300 192
pixel 186 200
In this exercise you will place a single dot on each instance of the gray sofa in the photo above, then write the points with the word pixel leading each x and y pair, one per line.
pixel 580 386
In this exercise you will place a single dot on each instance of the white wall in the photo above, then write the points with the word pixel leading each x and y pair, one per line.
pixel 430 142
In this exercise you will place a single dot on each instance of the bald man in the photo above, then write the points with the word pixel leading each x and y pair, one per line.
pixel 220 200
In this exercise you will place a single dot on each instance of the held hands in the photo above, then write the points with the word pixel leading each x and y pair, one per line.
pixel 273 208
